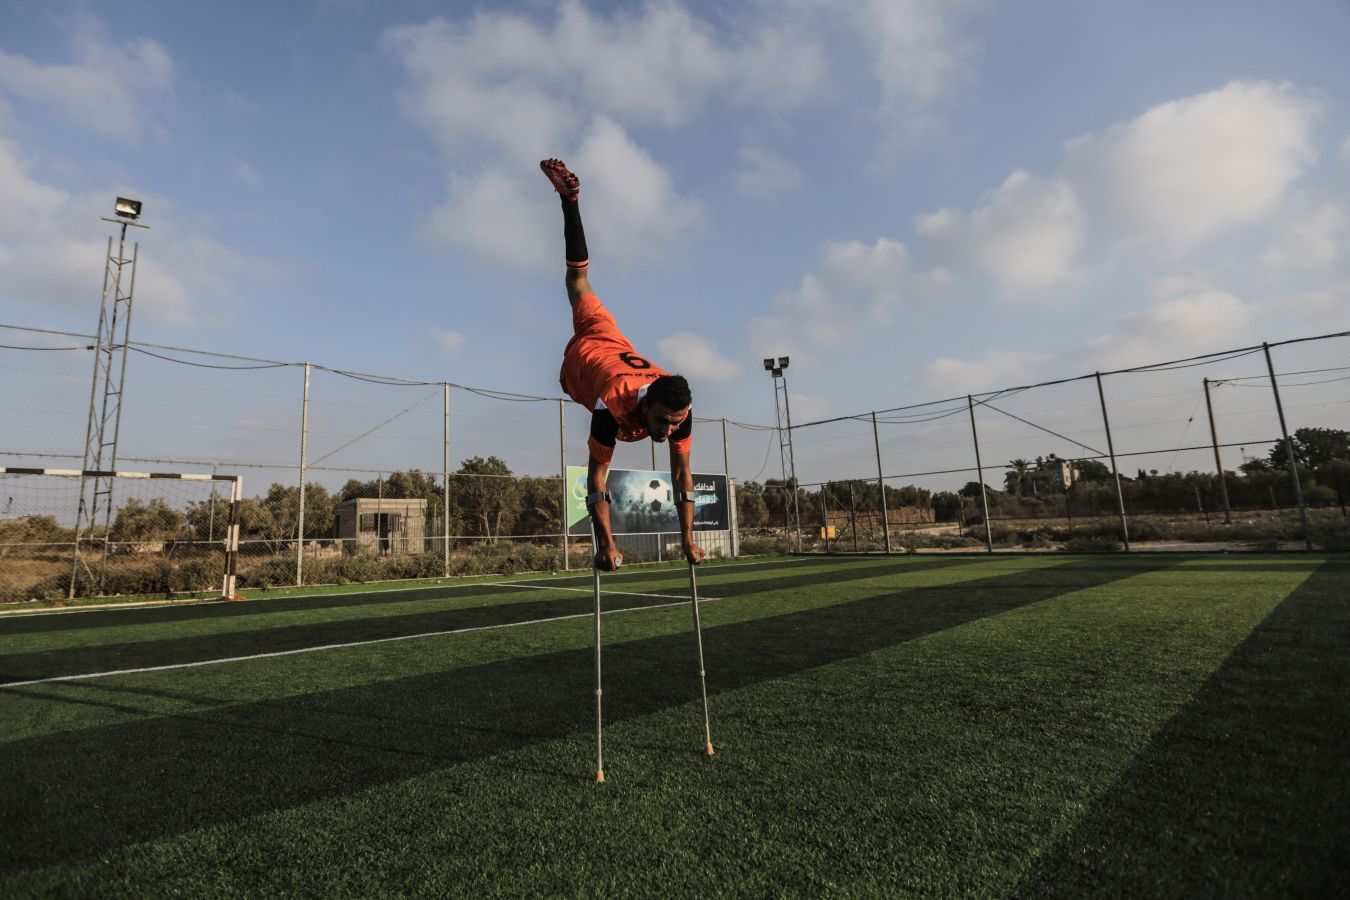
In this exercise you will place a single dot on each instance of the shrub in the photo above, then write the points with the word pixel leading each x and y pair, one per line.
pixel 1333 536
pixel 759 546
pixel 157 577
pixel 1093 545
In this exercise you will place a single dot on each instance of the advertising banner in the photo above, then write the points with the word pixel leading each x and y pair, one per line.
pixel 644 502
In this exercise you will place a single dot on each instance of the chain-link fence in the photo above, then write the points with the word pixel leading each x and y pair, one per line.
pixel 346 473
pixel 1240 450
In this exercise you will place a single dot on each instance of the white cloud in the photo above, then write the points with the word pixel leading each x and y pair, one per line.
pixel 44 269
pixel 448 340
pixel 1026 235
pixel 509 83
pixel 1191 169
pixel 498 90
pixel 948 377
pixel 858 289
pixel 917 53
pixel 1345 151
pixel 764 173
pixel 237 104
pixel 632 213
pixel 106 88
pixel 244 173
pixel 1310 241
pixel 807 408
pixel 494 215
pixel 1320 311
pixel 30 205
pixel 696 357
pixel 1202 318
pixel 1189 316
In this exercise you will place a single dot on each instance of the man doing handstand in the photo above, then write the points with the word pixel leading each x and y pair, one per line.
pixel 629 397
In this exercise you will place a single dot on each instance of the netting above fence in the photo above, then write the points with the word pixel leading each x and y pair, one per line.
pixel 1193 449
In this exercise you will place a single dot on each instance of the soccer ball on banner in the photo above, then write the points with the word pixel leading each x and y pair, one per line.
pixel 655 496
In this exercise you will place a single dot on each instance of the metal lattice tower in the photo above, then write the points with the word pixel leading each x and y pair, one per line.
pixel 783 419
pixel 106 389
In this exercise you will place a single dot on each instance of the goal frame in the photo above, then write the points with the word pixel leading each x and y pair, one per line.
pixel 229 578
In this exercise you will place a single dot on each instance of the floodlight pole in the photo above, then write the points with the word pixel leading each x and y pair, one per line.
pixel 111 374
pixel 566 494
pixel 785 455
pixel 792 465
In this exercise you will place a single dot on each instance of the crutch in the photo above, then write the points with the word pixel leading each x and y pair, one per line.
pixel 600 749
pixel 702 675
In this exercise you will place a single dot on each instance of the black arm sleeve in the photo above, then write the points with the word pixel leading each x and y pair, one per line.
pixel 686 428
pixel 604 428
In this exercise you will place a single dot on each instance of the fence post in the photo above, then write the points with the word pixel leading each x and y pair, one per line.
pixel 732 518
pixel 792 465
pixel 566 490
pixel 1111 449
pixel 304 462
pixel 881 483
pixel 444 478
pixel 1289 451
pixel 1218 464
pixel 852 515
pixel 824 519
pixel 979 473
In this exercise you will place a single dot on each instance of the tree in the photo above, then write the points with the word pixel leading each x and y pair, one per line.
pixel 1013 480
pixel 946 506
pixel 153 521
pixel 751 510
pixel 486 496
pixel 540 506
pixel 1313 448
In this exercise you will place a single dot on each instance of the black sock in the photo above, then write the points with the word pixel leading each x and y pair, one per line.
pixel 574 234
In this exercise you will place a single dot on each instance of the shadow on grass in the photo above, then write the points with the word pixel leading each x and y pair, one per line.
pixel 1246 790
pixel 77 794
pixel 195 648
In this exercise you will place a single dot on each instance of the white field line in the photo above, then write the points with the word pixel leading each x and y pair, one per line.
pixel 401 637
pixel 161 604
pixel 545 587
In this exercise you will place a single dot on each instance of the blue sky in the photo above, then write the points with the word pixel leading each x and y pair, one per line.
pixel 914 199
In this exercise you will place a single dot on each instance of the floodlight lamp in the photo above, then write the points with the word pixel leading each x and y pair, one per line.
pixel 127 209
pixel 768 365
pixel 782 362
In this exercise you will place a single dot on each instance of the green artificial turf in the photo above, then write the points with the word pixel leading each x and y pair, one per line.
pixel 1009 726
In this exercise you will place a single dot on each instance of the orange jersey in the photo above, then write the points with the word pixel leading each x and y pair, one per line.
pixel 602 371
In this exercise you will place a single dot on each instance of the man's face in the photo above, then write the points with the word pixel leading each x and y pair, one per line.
pixel 662 420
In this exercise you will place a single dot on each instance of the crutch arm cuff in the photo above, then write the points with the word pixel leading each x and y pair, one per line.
pixel 598 497
pixel 684 497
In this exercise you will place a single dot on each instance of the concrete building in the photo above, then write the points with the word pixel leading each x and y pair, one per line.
pixel 382 527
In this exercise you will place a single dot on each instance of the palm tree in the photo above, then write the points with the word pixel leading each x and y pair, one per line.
pixel 1020 467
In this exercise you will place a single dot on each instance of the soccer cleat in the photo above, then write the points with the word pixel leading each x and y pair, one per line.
pixel 564 182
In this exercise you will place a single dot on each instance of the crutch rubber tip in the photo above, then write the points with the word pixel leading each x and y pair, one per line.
pixel 710 749
pixel 600 777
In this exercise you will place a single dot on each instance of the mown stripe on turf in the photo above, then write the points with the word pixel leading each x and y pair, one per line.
pixel 257 640
pixel 1267 732
pixel 76 795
